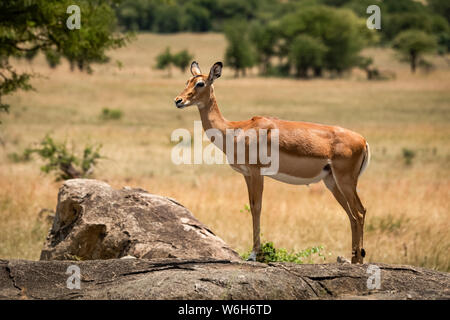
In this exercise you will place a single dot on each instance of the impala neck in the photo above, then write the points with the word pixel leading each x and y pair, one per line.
pixel 210 114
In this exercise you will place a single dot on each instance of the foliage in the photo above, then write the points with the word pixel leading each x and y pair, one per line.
pixel 182 60
pixel 166 59
pixel 239 54
pixel 111 114
pixel 28 27
pixel 271 254
pixel 264 31
pixel 408 155
pixel 67 165
pixel 412 44
pixel 307 52
pixel 167 19
pixel 339 30
pixel 198 18
pixel 441 7
pixel 264 38
pixel 246 208
pixel 426 22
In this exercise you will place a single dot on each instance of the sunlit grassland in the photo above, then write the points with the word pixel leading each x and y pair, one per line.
pixel 408 216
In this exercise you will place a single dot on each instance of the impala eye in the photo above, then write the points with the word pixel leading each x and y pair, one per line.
pixel 200 84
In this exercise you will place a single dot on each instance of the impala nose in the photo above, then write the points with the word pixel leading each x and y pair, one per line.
pixel 178 101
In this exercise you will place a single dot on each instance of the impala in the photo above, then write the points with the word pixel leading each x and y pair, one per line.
pixel 308 153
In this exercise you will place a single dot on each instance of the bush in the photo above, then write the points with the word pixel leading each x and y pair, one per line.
pixel 111 114
pixel 408 155
pixel 164 60
pixel 271 254
pixel 66 164
pixel 180 60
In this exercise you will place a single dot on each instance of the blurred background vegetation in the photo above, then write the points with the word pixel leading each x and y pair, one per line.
pixel 300 37
pixel 304 38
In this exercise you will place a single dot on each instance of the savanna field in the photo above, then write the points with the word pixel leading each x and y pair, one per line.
pixel 408 216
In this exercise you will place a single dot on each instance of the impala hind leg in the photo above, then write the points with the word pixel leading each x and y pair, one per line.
pixel 343 188
pixel 255 185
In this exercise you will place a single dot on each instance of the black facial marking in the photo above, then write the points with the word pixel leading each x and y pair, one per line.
pixel 327 167
pixel 363 253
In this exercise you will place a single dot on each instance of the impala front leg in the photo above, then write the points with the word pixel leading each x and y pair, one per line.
pixel 255 185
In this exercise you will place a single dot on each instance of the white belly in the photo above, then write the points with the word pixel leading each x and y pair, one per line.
pixel 298 180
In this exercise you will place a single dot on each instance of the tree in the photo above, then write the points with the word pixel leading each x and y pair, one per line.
pixel 398 22
pixel 238 55
pixel 182 60
pixel 412 44
pixel 305 53
pixel 264 39
pixel 30 27
pixel 441 7
pixel 198 19
pixel 136 14
pixel 343 34
pixel 167 19
pixel 164 61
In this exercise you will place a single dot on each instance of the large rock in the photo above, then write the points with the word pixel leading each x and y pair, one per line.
pixel 214 279
pixel 93 221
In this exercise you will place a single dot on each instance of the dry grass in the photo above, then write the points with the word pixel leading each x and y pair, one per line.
pixel 408 212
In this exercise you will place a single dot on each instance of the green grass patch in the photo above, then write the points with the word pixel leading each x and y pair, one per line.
pixel 272 254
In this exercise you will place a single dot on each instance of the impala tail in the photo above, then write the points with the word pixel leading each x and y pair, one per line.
pixel 366 160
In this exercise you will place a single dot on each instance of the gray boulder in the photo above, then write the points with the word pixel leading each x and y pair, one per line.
pixel 214 279
pixel 93 221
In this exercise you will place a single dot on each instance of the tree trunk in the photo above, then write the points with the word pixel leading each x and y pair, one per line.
pixel 413 62
pixel 318 72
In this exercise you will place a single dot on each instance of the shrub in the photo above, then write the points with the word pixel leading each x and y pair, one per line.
pixel 271 254
pixel 166 59
pixel 408 155
pixel 111 114
pixel 67 165
pixel 182 60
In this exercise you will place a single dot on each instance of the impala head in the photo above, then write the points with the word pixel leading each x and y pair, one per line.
pixel 199 86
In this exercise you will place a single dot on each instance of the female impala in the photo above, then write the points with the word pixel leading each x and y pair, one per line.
pixel 308 153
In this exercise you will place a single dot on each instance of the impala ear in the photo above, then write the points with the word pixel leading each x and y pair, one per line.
pixel 195 69
pixel 216 71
